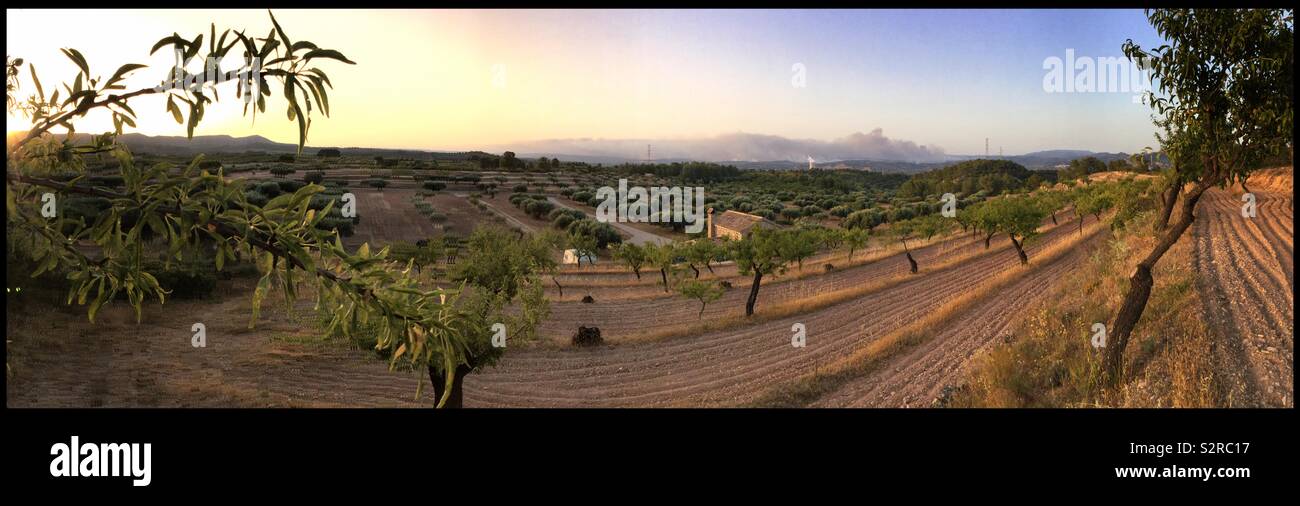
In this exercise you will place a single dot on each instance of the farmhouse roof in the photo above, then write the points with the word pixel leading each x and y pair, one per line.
pixel 739 222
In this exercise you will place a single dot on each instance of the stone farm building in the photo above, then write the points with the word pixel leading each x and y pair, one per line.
pixel 734 225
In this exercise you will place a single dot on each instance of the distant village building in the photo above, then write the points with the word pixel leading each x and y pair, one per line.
pixel 734 224
pixel 571 257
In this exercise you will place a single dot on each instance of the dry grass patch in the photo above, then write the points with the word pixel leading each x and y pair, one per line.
pixel 807 389
pixel 1051 362
pixel 810 303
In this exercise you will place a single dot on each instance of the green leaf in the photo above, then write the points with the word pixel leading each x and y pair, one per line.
pixel 95 305
pixel 40 92
pixel 124 106
pixel 76 58
pixel 302 44
pixel 176 111
pixel 279 30
pixel 269 45
pixel 319 93
pixel 327 53
pixel 122 71
pixel 302 120
pixel 174 40
pixel 192 48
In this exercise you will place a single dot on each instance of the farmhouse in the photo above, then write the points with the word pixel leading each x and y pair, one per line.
pixel 734 225
pixel 573 256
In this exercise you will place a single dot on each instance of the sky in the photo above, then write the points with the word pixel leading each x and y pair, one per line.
pixel 703 83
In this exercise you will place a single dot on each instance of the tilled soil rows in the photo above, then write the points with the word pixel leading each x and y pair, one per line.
pixel 917 377
pixel 1247 268
pixel 732 366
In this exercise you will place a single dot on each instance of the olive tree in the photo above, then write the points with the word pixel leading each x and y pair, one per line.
pixel 663 257
pixel 499 268
pixel 761 253
pixel 702 291
pixel 632 255
pixel 700 252
pixel 854 239
pixel 1019 218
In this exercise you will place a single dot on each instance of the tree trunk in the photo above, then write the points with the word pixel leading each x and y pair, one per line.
pixel 638 274
pixel 1054 218
pixel 753 294
pixel 664 274
pixel 1081 218
pixel 557 285
pixel 701 315
pixel 1020 250
pixel 1167 199
pixel 708 266
pixel 1139 291
pixel 457 385
pixel 988 238
pixel 910 260
pixel 696 269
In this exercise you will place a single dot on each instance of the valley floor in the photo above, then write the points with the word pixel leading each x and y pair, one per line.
pixel 1246 270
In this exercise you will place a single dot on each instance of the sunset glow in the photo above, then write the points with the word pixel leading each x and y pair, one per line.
pixel 488 79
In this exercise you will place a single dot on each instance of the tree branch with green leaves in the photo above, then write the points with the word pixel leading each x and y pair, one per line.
pixel 175 213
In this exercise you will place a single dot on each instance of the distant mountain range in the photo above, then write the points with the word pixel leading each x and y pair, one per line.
pixel 1050 158
pixel 214 144
pixel 175 145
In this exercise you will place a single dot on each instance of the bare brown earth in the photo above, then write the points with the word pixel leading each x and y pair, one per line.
pixel 461 215
pixel 614 318
pixel 1247 281
pixel 727 367
pixel 388 216
pixel 59 359
pixel 917 377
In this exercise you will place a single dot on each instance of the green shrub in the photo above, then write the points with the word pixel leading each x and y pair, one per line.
pixel 604 233
pixel 287 186
pixel 538 208
pixel 256 198
pixel 314 177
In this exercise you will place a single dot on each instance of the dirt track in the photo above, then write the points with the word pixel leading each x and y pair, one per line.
pixel 1247 268
pixel 916 377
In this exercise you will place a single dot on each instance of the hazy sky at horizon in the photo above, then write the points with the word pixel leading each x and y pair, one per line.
pixel 425 79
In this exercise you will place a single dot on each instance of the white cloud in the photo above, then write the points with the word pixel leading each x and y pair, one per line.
pixel 739 146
